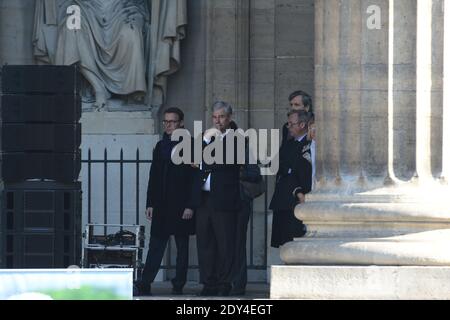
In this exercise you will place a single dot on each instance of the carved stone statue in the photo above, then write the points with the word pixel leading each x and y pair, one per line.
pixel 124 48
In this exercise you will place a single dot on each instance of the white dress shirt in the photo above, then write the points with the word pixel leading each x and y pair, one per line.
pixel 207 185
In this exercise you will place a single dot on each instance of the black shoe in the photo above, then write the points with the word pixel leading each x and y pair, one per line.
pixel 141 289
pixel 304 230
pixel 178 291
pixel 177 287
pixel 208 292
pixel 224 290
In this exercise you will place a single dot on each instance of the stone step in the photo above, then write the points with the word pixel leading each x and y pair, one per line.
pixel 162 291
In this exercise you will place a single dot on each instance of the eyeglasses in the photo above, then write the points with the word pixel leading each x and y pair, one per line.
pixel 290 124
pixel 297 106
pixel 166 122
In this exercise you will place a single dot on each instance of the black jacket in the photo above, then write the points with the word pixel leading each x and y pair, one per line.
pixel 294 174
pixel 285 136
pixel 224 182
pixel 169 192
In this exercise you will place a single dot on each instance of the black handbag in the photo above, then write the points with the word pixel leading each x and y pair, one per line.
pixel 252 183
pixel 253 190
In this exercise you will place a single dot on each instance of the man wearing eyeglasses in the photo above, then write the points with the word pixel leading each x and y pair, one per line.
pixel 293 180
pixel 170 207
pixel 300 100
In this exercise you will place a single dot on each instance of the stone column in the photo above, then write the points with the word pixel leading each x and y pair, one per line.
pixel 446 112
pixel 227 58
pixel 379 222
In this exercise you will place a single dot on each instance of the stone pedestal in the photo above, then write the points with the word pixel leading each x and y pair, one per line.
pixel 357 283
pixel 118 123
pixel 382 163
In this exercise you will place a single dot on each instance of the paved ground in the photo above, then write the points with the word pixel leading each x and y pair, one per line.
pixel 162 291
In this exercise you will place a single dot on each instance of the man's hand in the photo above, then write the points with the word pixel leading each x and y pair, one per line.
pixel 149 213
pixel 312 132
pixel 301 197
pixel 188 214
pixel 213 132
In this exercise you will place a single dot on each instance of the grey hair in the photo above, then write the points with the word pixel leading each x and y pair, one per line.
pixel 222 105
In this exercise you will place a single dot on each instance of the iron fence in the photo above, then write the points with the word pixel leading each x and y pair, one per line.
pixel 138 162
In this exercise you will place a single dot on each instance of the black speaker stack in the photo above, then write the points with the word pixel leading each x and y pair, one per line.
pixel 40 161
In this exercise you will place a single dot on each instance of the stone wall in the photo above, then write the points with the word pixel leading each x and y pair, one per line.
pixel 16 28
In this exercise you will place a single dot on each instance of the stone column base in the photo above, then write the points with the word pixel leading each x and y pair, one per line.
pixel 359 283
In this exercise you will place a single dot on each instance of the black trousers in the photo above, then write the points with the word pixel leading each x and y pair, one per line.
pixel 155 255
pixel 239 281
pixel 215 244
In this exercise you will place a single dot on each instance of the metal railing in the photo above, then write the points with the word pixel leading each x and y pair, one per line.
pixel 106 162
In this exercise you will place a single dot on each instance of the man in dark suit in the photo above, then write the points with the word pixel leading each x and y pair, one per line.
pixel 216 217
pixel 293 180
pixel 298 100
pixel 170 207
